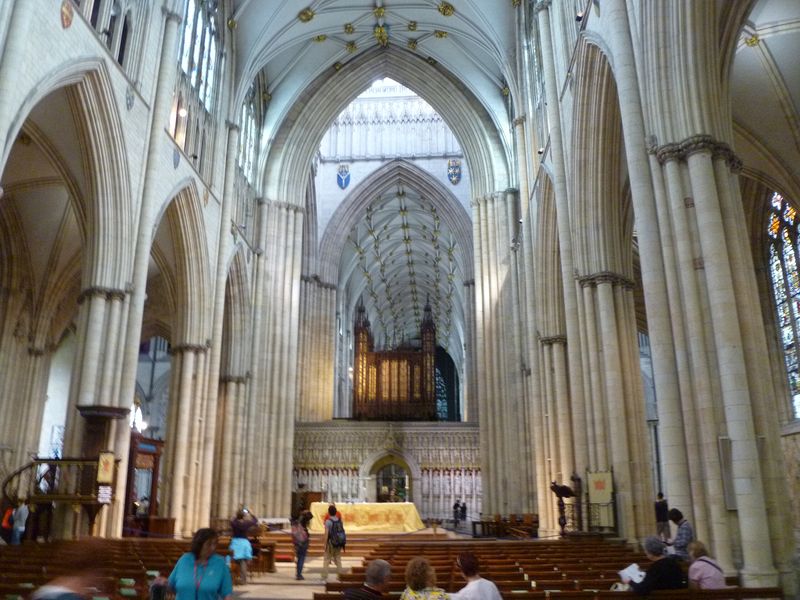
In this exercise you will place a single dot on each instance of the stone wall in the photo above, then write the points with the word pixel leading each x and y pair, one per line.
pixel 443 459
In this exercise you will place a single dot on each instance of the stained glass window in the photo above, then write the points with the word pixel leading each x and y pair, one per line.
pixel 782 229
pixel 442 411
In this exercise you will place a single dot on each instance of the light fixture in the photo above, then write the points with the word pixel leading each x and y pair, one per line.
pixel 182 112
pixel 579 16
pixel 540 151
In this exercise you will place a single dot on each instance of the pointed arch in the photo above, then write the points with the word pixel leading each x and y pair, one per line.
pixel 301 131
pixel 192 267
pixel 387 177
pixel 108 203
pixel 602 226
pixel 237 316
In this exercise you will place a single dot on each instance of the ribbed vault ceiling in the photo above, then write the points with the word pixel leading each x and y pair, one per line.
pixel 398 257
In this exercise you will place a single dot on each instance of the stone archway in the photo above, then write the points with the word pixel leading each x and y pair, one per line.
pixel 374 463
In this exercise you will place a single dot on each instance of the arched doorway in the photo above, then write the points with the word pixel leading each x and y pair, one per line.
pixel 392 479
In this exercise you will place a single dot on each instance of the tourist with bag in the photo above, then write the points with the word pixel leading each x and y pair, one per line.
pixel 334 542
pixel 300 540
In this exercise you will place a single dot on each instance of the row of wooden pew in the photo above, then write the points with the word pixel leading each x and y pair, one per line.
pixel 564 569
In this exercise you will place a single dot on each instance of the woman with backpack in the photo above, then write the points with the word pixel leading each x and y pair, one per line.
pixel 334 541
pixel 300 540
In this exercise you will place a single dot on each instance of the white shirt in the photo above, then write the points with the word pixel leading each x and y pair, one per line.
pixel 479 589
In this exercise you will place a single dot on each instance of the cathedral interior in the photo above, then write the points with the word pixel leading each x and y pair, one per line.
pixel 423 251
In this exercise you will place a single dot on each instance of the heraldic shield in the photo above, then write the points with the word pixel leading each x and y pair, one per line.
pixel 454 170
pixel 343 176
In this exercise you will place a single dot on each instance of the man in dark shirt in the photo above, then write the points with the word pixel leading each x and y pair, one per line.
pixel 662 517
pixel 664 574
pixel 376 580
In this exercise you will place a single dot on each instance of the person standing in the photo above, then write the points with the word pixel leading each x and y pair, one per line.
pixel 463 515
pixel 683 536
pixel 334 541
pixel 7 526
pixel 201 574
pixel 19 518
pixel 300 541
pixel 456 513
pixel 240 546
pixel 376 581
pixel 662 517
pixel 477 587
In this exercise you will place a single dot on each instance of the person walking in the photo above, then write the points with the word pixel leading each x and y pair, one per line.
pixel 201 573
pixel 300 540
pixel 334 541
pixel 240 546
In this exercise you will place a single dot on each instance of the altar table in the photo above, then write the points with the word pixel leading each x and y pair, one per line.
pixel 365 517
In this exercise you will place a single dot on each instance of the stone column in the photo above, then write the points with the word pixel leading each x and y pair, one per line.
pixel 151 201
pixel 654 277
pixel 563 220
pixel 212 383
pixel 747 482
pixel 184 369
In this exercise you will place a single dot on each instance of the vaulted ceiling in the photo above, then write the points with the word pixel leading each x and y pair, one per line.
pixel 294 42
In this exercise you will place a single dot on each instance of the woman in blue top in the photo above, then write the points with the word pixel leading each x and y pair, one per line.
pixel 201 574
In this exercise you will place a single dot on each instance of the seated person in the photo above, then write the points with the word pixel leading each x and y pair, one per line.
pixel 664 574
pixel 376 581
pixel 421 581
pixel 704 572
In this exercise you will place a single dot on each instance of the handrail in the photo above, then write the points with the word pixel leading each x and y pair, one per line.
pixel 54 480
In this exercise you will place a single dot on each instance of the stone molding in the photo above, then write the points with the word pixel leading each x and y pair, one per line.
pixel 693 145
pixel 109 293
pixel 553 339
pixel 282 205
pixel 333 445
pixel 606 277
pixel 315 279
pixel 178 349
pixel 233 379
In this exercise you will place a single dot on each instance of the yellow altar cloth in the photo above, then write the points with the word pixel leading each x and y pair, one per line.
pixel 362 517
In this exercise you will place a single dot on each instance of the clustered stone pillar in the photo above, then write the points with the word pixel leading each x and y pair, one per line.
pixel 572 401
pixel 714 268
pixel 503 436
pixel 272 413
pixel 317 349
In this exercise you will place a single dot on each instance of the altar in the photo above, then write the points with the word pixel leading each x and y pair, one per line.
pixel 370 517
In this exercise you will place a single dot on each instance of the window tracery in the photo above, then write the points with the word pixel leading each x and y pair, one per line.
pixel 192 123
pixel 782 229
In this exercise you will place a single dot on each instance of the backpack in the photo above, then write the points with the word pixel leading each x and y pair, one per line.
pixel 299 534
pixel 337 537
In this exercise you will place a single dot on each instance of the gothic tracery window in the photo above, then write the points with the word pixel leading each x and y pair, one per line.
pixel 192 123
pixel 783 249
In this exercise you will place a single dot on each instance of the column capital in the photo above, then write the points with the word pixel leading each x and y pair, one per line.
pixel 552 339
pixel 605 277
pixel 180 348
pixel 96 290
pixel 231 125
pixel 541 5
pixel 693 145
pixel 519 120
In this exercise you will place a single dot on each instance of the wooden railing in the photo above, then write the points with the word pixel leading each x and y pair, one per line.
pixel 53 480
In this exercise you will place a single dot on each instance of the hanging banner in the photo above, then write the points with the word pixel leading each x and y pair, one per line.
pixel 601 486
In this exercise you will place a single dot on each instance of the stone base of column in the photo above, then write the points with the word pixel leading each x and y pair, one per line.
pixel 758 578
